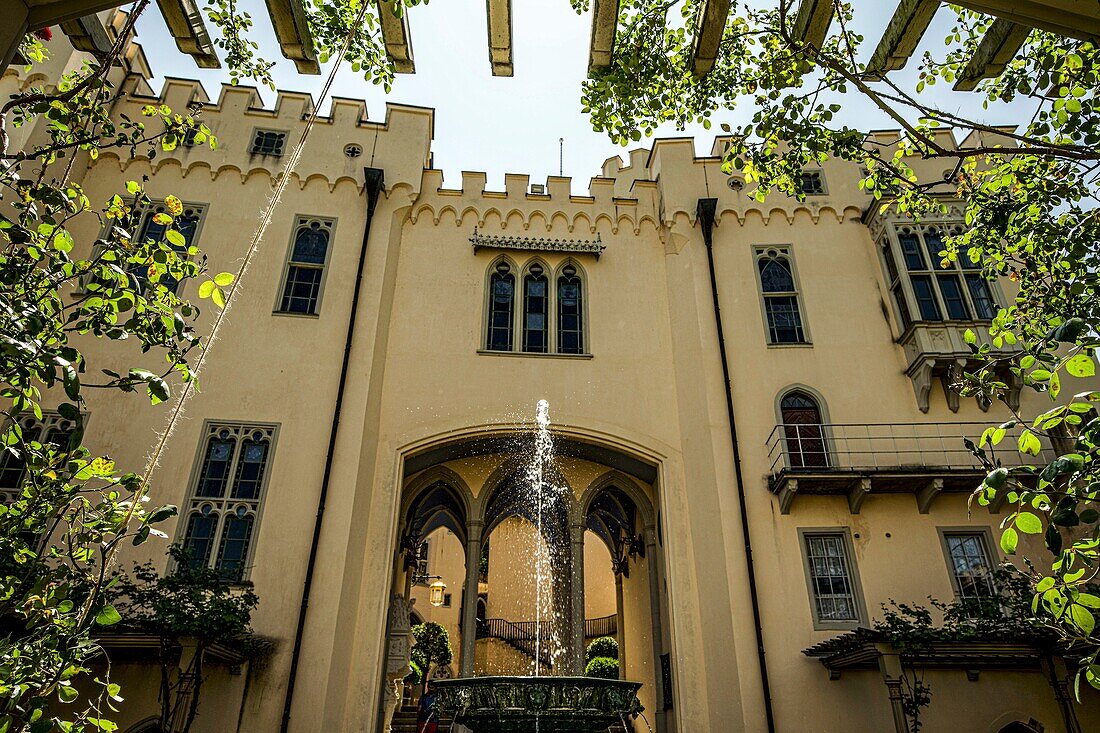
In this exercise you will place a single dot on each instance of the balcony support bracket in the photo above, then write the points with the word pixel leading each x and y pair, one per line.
pixel 859 490
pixel 786 495
pixel 952 374
pixel 927 495
pixel 921 374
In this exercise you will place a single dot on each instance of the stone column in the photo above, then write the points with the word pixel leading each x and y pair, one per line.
pixel 576 656
pixel 398 648
pixel 657 631
pixel 620 635
pixel 469 598
pixel 889 664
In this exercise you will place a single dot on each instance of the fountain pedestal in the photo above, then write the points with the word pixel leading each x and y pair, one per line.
pixel 545 704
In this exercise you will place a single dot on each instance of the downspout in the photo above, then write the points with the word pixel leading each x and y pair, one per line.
pixel 705 212
pixel 373 186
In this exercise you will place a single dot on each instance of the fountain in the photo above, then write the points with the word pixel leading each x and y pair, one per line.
pixel 546 704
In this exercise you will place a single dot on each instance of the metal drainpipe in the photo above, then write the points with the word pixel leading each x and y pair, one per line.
pixel 705 212
pixel 373 185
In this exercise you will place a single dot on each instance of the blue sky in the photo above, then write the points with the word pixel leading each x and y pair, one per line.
pixel 497 124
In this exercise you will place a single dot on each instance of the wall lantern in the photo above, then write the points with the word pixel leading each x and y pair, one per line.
pixel 435 593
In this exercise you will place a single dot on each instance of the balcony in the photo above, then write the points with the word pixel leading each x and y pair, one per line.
pixel 860 460
pixel 938 349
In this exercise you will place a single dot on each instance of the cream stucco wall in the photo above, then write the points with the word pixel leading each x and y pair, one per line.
pixel 650 387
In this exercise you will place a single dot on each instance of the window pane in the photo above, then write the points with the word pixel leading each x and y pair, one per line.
pixel 234 546
pixel 775 275
pixel 250 469
pixel 970 566
pixel 534 314
pixel 199 539
pixel 902 304
pixel 570 339
pixel 953 299
pixel 834 599
pixel 311 245
pixel 981 296
pixel 501 300
pixel 784 320
pixel 215 468
pixel 910 250
pixel 302 289
pixel 933 242
pixel 926 298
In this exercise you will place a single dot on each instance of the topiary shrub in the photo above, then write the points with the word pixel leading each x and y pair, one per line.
pixel 602 646
pixel 603 667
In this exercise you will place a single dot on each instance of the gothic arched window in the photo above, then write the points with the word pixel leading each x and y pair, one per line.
pixel 536 310
pixel 780 298
pixel 570 312
pixel 221 514
pixel 502 297
pixel 803 431
pixel 306 268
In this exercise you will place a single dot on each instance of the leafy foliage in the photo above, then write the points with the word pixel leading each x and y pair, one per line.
pixel 431 646
pixel 192 605
pixel 602 667
pixel 1031 207
pixel 72 509
pixel 602 646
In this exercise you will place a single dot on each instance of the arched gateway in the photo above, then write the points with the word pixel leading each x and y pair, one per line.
pixel 463 558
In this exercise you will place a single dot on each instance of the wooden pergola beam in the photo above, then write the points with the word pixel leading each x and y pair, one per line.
pixel 710 25
pixel 500 36
pixel 288 18
pixel 396 36
pixel 1072 18
pixel 605 21
pixel 904 31
pixel 87 34
pixel 185 23
pixel 811 22
pixel 1001 42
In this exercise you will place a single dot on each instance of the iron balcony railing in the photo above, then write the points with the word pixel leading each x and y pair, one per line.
pixel 602 626
pixel 873 447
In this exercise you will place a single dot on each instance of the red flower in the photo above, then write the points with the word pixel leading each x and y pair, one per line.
pixel 44 34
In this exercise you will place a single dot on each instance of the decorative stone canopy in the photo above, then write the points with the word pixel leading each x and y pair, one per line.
pixel 537 244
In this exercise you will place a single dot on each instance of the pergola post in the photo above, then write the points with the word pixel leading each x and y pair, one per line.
pixel 469 598
pixel 889 663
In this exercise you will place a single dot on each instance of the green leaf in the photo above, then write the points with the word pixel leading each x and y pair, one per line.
pixel 1081 365
pixel 132 187
pixel 108 616
pixel 1009 540
pixel 218 297
pixel 206 289
pixel 1028 523
pixel 66 693
pixel 175 238
pixel 1044 585
pixel 1082 618
pixel 1029 444
pixel 1088 599
pixel 223 279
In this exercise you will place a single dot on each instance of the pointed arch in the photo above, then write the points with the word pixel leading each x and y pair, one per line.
pixel 570 311
pixel 535 294
pixel 803 419
pixel 500 304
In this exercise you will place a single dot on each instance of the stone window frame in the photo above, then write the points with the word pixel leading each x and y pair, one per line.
pixel 51 420
pixel 276 152
pixel 845 533
pixel 519 270
pixel 988 544
pixel 760 252
pixel 899 278
pixel 302 220
pixel 192 502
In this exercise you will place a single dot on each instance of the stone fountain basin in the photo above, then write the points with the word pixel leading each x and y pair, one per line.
pixel 546 704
